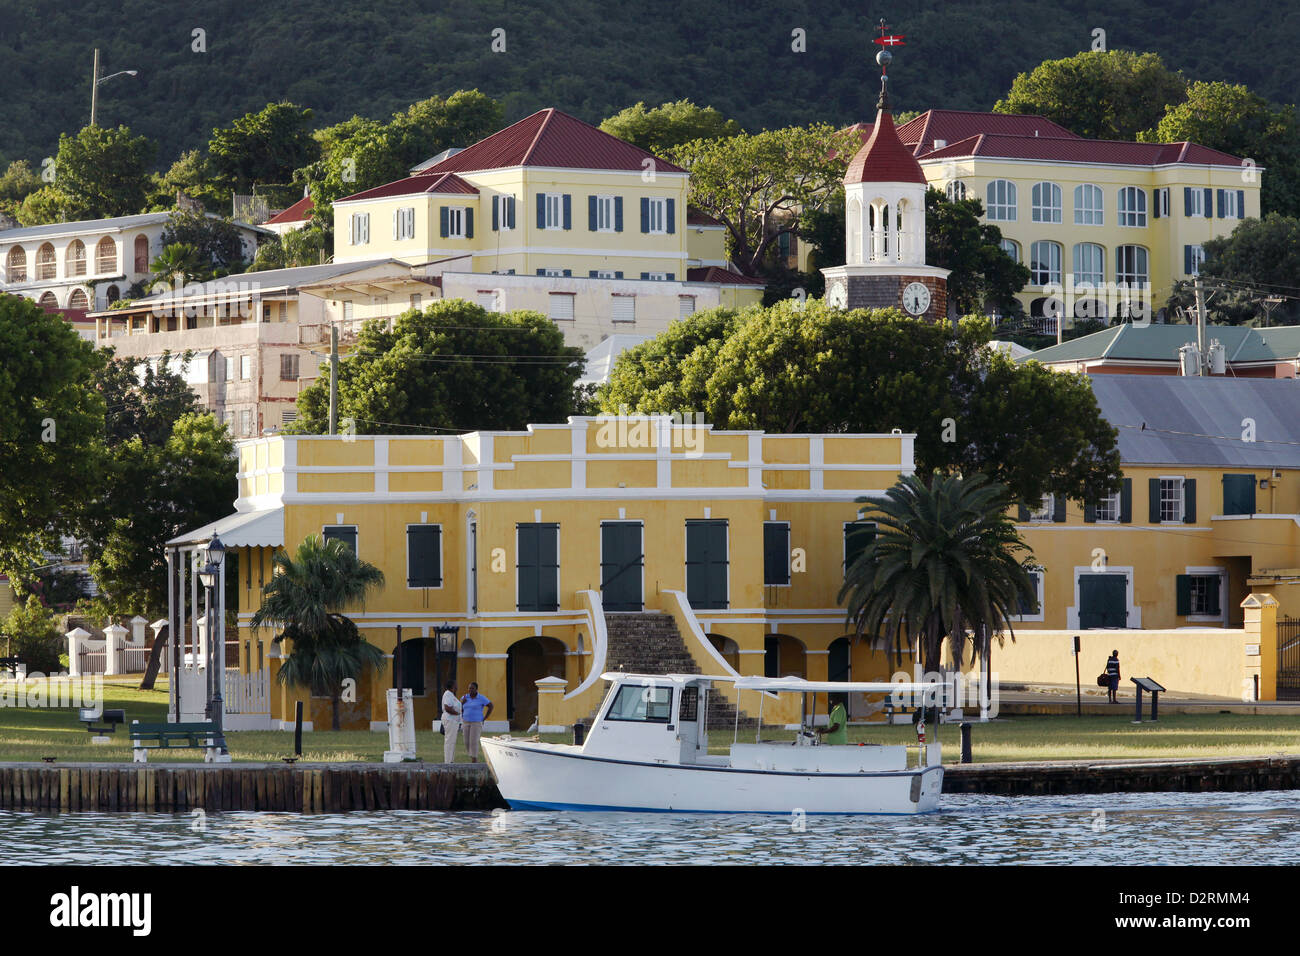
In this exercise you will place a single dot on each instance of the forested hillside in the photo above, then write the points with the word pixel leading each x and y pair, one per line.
pixel 591 58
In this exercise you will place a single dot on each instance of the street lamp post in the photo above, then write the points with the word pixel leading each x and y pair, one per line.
pixel 96 79
pixel 210 575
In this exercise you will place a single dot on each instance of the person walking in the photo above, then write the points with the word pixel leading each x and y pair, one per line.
pixel 1112 674
pixel 474 710
pixel 450 721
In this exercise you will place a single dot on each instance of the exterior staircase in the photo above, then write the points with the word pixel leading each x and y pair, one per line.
pixel 651 644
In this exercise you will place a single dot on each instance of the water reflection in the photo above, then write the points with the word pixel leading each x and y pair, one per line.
pixel 1114 829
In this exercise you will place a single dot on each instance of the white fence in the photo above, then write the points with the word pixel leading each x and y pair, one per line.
pixel 247 693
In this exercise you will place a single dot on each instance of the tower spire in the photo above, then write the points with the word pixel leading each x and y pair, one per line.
pixel 884 58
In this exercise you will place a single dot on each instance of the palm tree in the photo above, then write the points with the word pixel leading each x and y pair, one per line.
pixel 303 598
pixel 179 261
pixel 943 560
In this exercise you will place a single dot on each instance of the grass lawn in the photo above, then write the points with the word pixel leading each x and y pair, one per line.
pixel 33 733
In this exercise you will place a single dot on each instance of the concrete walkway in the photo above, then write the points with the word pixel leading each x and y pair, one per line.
pixel 1060 699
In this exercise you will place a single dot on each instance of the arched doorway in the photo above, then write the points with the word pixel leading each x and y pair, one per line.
pixel 785 656
pixel 839 666
pixel 527 662
pixel 466 666
pixel 728 648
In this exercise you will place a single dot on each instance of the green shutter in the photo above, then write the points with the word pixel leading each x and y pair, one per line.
pixel 510 212
pixel 541 210
pixel 347 533
pixel 1238 494
pixel 1214 607
pixel 443 228
pixel 1241 204
pixel 672 216
pixel 496 206
pixel 1189 501
pixel 1209 202
pixel 537 565
pixel 1187 200
pixel 1126 502
pixel 526 565
pixel 469 223
pixel 568 211
pixel 1153 503
pixel 1089 513
pixel 857 536
pixel 618 213
pixel 706 563
pixel 645 214
pixel 1187 259
pixel 423 556
pixel 591 214
pixel 1218 198
pixel 1022 512
pixel 1058 509
pixel 1183 594
pixel 1155 204
pixel 776 553
pixel 622 563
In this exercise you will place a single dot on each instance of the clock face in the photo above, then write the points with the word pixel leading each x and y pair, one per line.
pixel 916 298
pixel 837 296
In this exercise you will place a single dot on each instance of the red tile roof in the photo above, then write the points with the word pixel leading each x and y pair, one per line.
pixel 412 185
pixel 720 275
pixel 953 125
pixel 551 138
pixel 295 213
pixel 698 217
pixel 1061 149
pixel 883 158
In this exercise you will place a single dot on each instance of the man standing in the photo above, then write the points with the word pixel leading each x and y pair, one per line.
pixel 1112 675
pixel 475 709
pixel 450 721
pixel 836 730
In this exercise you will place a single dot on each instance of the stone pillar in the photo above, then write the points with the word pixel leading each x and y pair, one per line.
pixel 1260 611
pixel 114 635
pixel 76 637
pixel 550 695
pixel 138 625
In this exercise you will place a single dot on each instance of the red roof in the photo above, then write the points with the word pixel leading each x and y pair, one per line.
pixel 698 217
pixel 551 138
pixel 720 275
pixel 920 132
pixel 295 213
pixel 883 158
pixel 442 183
pixel 1075 149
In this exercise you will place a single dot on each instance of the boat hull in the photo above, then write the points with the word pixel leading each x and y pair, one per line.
pixel 553 777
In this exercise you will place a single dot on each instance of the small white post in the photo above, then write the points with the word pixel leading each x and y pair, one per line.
pixel 138 625
pixel 114 635
pixel 75 638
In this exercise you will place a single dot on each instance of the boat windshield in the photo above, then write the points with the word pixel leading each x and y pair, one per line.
pixel 649 704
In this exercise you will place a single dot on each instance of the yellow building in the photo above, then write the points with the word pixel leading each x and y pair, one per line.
pixel 1086 216
pixel 554 215
pixel 550 551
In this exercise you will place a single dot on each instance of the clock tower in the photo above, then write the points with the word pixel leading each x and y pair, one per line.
pixel 884 207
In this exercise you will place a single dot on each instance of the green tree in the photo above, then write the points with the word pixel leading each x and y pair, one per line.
pixel 983 275
pixel 169 467
pixel 1114 94
pixel 1233 119
pixel 217 243
pixel 453 366
pixel 32 635
pixel 945 558
pixel 17 183
pixel 46 205
pixel 755 184
pixel 176 262
pixel 304 599
pixel 803 367
pixel 192 175
pixel 263 147
pixel 51 427
pixel 1243 268
pixel 307 246
pixel 104 172
pixel 673 124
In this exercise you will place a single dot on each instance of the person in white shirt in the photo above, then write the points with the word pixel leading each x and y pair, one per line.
pixel 450 722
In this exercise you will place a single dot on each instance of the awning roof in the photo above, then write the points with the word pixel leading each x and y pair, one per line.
pixel 246 529
pixel 798 685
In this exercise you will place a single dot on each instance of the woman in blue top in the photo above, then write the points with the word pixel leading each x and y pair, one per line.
pixel 474 710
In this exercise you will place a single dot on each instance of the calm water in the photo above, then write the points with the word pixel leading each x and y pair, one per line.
pixel 1177 829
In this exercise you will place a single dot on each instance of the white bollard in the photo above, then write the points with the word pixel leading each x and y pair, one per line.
pixel 75 638
pixel 138 625
pixel 114 635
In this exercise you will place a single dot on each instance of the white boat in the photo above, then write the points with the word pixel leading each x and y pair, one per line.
pixel 648 750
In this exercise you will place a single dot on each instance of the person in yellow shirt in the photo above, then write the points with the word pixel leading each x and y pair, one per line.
pixel 836 730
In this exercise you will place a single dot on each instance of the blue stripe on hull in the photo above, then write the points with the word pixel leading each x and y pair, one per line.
pixel 597 808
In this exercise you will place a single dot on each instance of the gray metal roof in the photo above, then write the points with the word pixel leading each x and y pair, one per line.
pixel 272 279
pixel 1190 420
pixel 116 224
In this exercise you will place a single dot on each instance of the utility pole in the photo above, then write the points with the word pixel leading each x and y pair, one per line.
pixel 334 379
pixel 94 88
pixel 1202 358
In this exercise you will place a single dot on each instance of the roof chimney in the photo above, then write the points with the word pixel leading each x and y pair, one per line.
pixel 940 143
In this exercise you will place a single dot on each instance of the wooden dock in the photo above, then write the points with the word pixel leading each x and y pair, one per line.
pixel 1232 774
pixel 301 788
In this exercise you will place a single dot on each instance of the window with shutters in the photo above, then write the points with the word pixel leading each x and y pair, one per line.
pixel 776 553
pixel 604 274
pixel 1045 201
pixel 503 213
pixel 1001 204
pixel 1193 259
pixel 554 210
pixel 1088 203
pixel 347 533
pixel 657 215
pixel 1199 594
pixel 360 228
pixel 537 565
pixel 1012 249
pixel 1031 608
pixel 1171 499
pixel 1108 508
pixel 455 222
pixel 404 223
pixel 706 563
pixel 1089 264
pixel 423 556
pixel 955 191
pixel 1230 203
pixel 604 213
pixel 1131 266
pixel 1196 203
pixel 657 276
pixel 1132 206
pixel 685 306
pixel 1239 494
pixel 622 308
pixel 857 535
pixel 1045 263
pixel 141 253
pixel 1160 203
pixel 1046 509
pixel 562 306
pixel 289 366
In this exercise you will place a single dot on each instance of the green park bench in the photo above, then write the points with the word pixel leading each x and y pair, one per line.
pixel 146 737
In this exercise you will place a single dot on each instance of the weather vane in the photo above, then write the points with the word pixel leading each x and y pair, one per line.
pixel 884 58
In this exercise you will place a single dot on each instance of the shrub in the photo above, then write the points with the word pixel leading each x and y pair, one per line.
pixel 33 636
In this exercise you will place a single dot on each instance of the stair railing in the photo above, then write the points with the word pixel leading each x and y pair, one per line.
pixel 599 642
